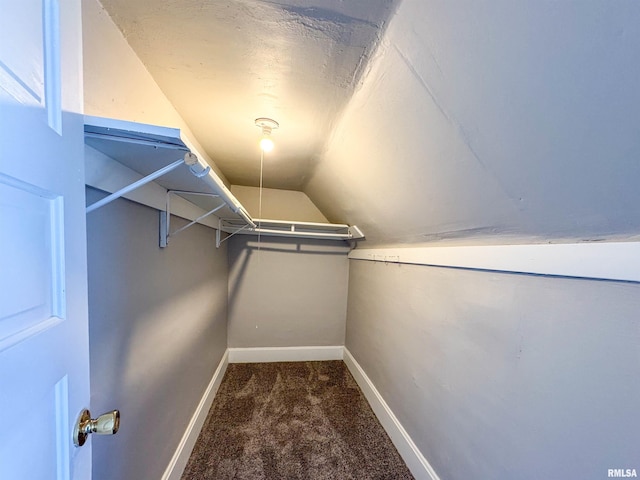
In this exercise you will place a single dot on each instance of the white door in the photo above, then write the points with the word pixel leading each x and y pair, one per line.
pixel 44 355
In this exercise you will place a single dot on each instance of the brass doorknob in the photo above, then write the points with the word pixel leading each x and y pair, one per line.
pixel 106 424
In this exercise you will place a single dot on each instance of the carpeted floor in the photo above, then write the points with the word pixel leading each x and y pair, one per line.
pixel 303 420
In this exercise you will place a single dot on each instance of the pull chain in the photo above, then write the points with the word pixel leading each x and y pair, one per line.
pixel 260 197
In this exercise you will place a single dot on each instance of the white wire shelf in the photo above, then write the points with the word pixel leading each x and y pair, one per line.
pixel 293 229
pixel 160 155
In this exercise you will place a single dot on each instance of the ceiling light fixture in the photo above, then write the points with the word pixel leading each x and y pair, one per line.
pixel 267 125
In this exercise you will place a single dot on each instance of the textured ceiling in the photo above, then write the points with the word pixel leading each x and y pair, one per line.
pixel 501 121
pixel 498 121
pixel 224 63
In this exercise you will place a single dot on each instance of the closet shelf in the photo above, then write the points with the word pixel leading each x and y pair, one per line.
pixel 147 149
pixel 160 154
pixel 283 228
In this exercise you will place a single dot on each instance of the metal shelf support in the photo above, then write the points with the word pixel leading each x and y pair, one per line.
pixel 220 240
pixel 189 159
pixel 165 216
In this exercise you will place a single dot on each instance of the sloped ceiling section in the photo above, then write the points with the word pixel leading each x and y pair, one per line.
pixel 493 122
pixel 223 63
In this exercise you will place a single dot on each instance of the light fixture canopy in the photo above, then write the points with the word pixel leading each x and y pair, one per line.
pixel 267 125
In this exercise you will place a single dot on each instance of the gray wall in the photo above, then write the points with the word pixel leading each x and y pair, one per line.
pixel 502 375
pixel 287 293
pixel 157 320
pixel 288 205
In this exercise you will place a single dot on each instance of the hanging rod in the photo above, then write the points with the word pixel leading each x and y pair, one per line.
pixel 188 159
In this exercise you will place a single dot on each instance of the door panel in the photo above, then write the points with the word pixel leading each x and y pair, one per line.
pixel 22 69
pixel 30 57
pixel 33 236
pixel 44 356
pixel 51 445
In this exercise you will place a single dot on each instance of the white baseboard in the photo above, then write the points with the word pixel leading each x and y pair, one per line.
pixel 188 441
pixel 284 354
pixel 414 459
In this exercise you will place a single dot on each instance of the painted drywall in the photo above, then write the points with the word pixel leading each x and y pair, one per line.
pixel 492 122
pixel 117 84
pixel 158 330
pixel 286 292
pixel 499 375
pixel 278 204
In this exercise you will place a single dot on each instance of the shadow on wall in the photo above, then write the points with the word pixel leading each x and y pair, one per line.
pixel 500 375
pixel 125 251
pixel 239 258
pixel 287 292
pixel 157 321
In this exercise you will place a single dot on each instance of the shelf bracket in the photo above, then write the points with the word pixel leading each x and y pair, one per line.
pixel 165 216
pixel 355 232
pixel 189 159
pixel 220 240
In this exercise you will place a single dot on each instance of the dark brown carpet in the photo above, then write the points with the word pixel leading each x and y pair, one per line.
pixel 303 420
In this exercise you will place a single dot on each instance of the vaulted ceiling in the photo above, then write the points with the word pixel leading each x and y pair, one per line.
pixel 472 121
pixel 223 63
